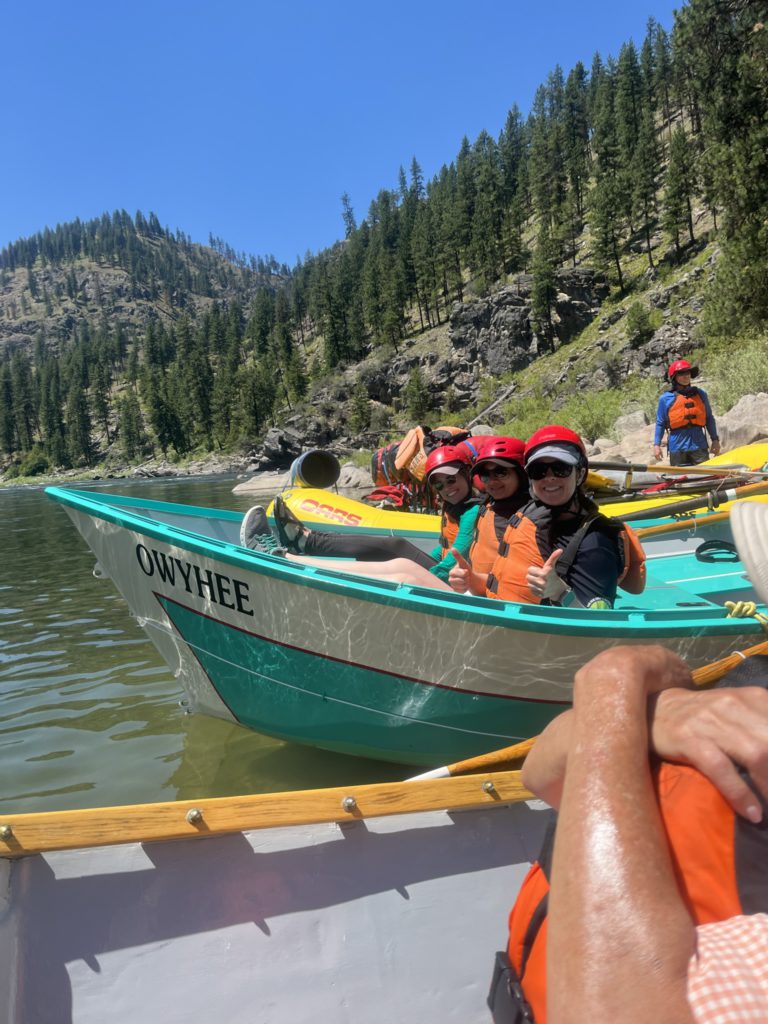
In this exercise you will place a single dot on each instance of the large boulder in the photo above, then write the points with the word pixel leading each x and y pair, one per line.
pixel 745 423
pixel 630 422
pixel 282 445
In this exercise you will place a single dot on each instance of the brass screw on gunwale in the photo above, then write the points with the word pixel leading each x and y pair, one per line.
pixel 6 832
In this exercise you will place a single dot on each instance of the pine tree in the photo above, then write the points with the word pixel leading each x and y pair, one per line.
pixel 416 396
pixel 544 291
pixel 348 215
pixel 78 422
pixel 7 405
pixel 645 170
pixel 23 396
pixel 51 415
pixel 131 426
pixel 100 389
pixel 360 413
pixel 679 188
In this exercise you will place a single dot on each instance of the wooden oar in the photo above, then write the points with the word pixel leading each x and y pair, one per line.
pixel 633 467
pixel 688 523
pixel 709 500
pixel 704 676
pixel 673 487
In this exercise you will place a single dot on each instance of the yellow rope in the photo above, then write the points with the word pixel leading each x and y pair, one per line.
pixel 746 610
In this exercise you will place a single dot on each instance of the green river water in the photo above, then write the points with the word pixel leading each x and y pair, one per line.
pixel 89 713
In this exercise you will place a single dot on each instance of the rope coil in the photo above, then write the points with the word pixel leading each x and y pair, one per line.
pixel 746 610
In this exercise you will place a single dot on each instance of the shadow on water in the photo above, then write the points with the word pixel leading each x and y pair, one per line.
pixel 90 715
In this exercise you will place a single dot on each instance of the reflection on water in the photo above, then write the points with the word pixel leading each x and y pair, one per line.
pixel 89 713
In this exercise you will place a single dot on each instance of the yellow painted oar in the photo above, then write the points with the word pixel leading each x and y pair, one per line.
pixel 704 676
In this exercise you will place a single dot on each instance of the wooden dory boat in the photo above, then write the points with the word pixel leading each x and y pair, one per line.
pixel 374 903
pixel 369 667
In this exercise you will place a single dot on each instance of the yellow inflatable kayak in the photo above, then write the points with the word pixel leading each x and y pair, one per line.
pixel 325 510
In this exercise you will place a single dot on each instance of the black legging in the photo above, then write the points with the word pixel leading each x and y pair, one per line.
pixel 365 549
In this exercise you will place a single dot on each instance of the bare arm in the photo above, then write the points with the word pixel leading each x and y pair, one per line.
pixel 619 936
pixel 713 730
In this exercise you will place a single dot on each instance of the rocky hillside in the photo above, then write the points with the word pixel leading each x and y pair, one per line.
pixel 114 273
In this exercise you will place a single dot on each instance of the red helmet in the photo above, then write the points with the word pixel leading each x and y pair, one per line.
pixel 508 449
pixel 681 366
pixel 447 455
pixel 555 437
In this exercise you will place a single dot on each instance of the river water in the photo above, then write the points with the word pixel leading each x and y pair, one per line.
pixel 89 713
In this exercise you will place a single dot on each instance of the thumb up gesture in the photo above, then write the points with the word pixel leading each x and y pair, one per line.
pixel 460 576
pixel 544 581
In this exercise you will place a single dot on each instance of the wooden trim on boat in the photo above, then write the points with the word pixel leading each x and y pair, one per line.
pixel 25 834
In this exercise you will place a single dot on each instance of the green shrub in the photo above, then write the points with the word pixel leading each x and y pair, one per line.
pixel 524 415
pixel 592 414
pixel 736 369
pixel 34 463
pixel 638 323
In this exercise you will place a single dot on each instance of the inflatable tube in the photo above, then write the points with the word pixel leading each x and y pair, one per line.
pixel 315 468
pixel 325 510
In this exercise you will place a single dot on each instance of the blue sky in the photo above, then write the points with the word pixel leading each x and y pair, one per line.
pixel 248 120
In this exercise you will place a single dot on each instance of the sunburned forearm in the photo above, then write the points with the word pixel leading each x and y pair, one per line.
pixel 614 897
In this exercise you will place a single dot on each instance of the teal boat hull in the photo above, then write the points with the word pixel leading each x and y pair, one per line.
pixel 367 667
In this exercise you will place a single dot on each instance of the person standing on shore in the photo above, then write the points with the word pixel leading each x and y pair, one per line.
pixel 685 414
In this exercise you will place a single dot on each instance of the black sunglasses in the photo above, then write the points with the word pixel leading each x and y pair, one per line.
pixel 538 470
pixel 487 472
pixel 438 485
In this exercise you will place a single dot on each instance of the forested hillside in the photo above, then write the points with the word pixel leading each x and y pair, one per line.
pixel 118 336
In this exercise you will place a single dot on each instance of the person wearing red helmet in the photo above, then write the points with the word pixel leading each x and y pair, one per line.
pixel 499 465
pixel 685 415
pixel 448 472
pixel 558 549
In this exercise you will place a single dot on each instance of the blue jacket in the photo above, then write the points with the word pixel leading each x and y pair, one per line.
pixel 685 439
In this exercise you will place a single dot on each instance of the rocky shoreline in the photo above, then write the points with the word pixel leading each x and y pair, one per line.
pixel 265 470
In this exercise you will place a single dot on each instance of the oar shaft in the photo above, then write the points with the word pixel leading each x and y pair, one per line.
pixel 709 500
pixel 633 467
pixel 674 525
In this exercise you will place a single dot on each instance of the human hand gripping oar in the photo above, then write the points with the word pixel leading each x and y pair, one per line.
pixel 496 759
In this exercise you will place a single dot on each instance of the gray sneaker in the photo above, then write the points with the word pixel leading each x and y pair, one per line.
pixel 256 534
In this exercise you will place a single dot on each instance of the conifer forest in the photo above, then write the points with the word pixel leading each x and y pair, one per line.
pixel 117 334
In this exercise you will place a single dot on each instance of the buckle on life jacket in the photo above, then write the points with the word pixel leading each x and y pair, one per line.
pixel 506 1001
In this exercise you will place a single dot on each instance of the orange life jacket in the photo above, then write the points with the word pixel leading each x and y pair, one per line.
pixel 718 857
pixel 384 472
pixel 519 550
pixel 449 529
pixel 719 861
pixel 633 575
pixel 687 411
pixel 489 531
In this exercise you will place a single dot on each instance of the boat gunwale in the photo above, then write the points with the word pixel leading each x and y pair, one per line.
pixel 23 835
pixel 662 623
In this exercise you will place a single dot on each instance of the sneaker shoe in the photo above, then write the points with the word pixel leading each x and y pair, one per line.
pixel 256 534
pixel 749 525
pixel 291 532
